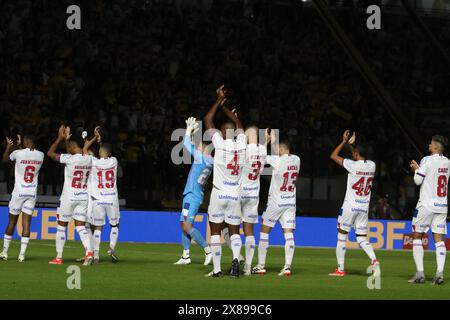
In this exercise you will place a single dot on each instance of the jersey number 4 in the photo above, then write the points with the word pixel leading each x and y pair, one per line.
pixel 233 165
pixel 363 186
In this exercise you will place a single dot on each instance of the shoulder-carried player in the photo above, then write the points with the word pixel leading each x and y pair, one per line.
pixel 224 204
pixel 103 196
pixel 74 196
pixel 281 204
pixel 431 210
pixel 28 162
pixel 193 194
pixel 355 209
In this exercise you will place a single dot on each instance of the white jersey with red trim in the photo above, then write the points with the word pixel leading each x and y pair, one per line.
pixel 255 159
pixel 282 191
pixel 433 179
pixel 103 179
pixel 229 159
pixel 26 171
pixel 359 183
pixel 76 175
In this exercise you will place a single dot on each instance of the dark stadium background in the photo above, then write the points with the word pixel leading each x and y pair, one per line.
pixel 140 68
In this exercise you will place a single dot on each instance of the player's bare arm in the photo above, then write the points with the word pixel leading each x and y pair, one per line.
pixel 51 153
pixel 8 149
pixel 208 119
pixel 345 139
pixel 267 136
pixel 97 138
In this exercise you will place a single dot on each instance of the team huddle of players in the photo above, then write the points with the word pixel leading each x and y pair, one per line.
pixel 237 163
pixel 88 195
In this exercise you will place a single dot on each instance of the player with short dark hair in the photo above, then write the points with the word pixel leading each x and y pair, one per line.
pixel 431 211
pixel 355 209
pixel 281 204
pixel 74 196
pixel 28 162
pixel 224 204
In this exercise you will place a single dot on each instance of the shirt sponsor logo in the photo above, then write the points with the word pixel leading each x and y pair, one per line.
pixel 362 201
pixel 286 205
pixel 80 193
pixel 287 197
pixel 250 188
pixel 21 195
pixel 229 183
pixel 442 205
pixel 28 185
pixel 104 203
pixel 222 197
pixel 250 197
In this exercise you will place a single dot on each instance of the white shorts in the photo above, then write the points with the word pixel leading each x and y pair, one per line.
pixel 101 209
pixel 249 207
pixel 424 219
pixel 72 209
pixel 19 204
pixel 353 218
pixel 224 206
pixel 277 212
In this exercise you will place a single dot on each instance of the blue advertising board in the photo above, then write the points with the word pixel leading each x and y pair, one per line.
pixel 164 227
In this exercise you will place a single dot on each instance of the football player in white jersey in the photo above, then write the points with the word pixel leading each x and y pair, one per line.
pixel 281 204
pixel 255 159
pixel 355 209
pixel 28 162
pixel 104 197
pixel 74 196
pixel 224 204
pixel 431 210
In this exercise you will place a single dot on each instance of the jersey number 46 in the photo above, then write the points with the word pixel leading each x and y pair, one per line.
pixel 363 186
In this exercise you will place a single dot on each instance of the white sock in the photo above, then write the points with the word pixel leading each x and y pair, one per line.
pixel 113 237
pixel 186 253
pixel 216 250
pixel 23 245
pixel 249 249
pixel 6 243
pixel 367 247
pixel 85 238
pixel 226 237
pixel 97 238
pixel 263 247
pixel 60 240
pixel 441 251
pixel 418 254
pixel 289 248
pixel 340 250
pixel 236 245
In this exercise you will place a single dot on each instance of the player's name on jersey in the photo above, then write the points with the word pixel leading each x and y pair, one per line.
pixel 83 167
pixel 30 162
pixel 362 173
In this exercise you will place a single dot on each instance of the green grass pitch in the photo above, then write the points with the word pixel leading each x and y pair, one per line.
pixel 146 271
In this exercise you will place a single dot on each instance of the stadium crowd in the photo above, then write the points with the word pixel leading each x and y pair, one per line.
pixel 140 68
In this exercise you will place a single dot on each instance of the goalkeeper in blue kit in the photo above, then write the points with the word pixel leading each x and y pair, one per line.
pixel 193 194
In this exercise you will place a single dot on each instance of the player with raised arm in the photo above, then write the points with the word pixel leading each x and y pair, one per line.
pixel 193 194
pixel 74 196
pixel 355 209
pixel 28 162
pixel 281 204
pixel 255 159
pixel 431 210
pixel 103 195
pixel 224 204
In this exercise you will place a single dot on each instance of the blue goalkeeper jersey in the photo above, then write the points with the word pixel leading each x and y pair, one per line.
pixel 200 170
